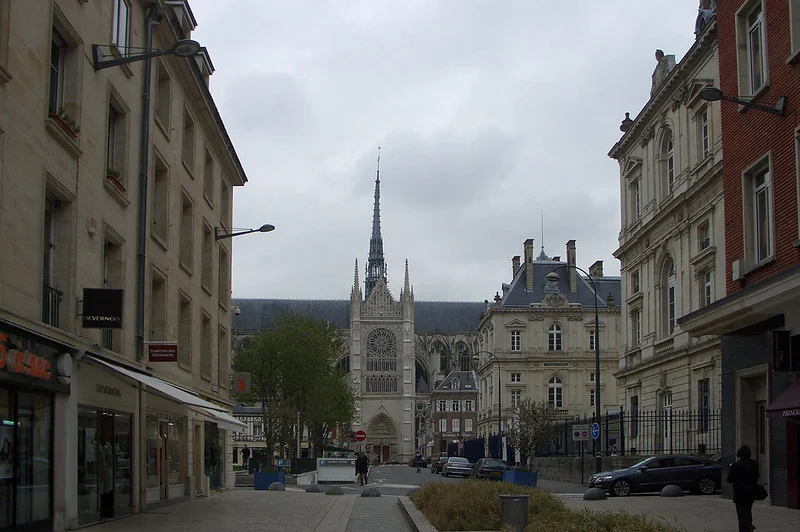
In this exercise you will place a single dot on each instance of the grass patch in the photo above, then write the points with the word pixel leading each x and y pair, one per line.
pixel 475 505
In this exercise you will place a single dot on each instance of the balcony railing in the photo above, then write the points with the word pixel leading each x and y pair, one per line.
pixel 51 300
pixel 664 347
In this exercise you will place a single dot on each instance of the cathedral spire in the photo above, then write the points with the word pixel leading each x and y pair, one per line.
pixel 376 266
pixel 355 278
pixel 407 283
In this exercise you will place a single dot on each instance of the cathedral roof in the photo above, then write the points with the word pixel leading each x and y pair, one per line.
pixel 429 316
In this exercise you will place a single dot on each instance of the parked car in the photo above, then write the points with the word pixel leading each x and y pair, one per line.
pixel 491 468
pixel 652 474
pixel 437 466
pixel 457 465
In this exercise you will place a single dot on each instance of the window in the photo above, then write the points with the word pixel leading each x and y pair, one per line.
pixel 184 330
pixel 442 406
pixel 225 204
pixel 454 406
pixel 705 289
pixel 158 307
pixel 119 34
pixel 188 142
pixel 703 132
pixel 455 384
pixel 51 298
pixel 515 398
pixel 516 377
pixel 515 340
pixel 555 392
pixel 634 416
pixel 703 404
pixel 468 405
pixel 58 64
pixel 669 298
pixel 755 48
pixel 794 18
pixel 205 347
pixel 591 397
pixel 456 425
pixel 703 236
pixel 187 233
pixel 224 278
pixel 637 198
pixel 160 200
pixel 635 284
pixel 669 161
pixel 592 339
pixel 591 377
pixel 465 362
pixel 636 327
pixel 163 98
pixel 64 87
pixel 223 360
pixel 208 178
pixel 443 425
pixel 444 361
pixel 554 338
pixel 116 142
pixel 467 425
pixel 207 267
pixel 758 207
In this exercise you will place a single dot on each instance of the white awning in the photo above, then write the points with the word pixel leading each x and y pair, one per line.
pixel 225 421
pixel 163 387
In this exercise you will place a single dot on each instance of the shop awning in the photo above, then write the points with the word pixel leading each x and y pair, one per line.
pixel 161 387
pixel 788 402
pixel 225 421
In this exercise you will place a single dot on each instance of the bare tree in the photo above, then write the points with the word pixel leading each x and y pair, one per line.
pixel 534 427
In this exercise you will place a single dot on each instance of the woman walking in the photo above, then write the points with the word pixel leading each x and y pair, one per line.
pixel 743 474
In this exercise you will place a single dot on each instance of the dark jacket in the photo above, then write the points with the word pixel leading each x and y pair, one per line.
pixel 362 464
pixel 743 474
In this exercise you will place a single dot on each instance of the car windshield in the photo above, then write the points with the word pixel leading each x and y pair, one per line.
pixel 493 463
pixel 457 460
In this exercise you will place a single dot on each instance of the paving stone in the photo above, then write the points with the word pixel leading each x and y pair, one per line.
pixel 378 514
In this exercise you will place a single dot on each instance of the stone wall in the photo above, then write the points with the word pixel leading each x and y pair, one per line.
pixel 568 468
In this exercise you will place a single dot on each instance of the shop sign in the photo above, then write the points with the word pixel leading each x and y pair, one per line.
pixel 14 360
pixel 162 351
pixel 108 390
pixel 102 308
pixel 791 413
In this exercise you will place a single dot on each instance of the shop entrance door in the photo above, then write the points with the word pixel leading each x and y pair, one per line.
pixel 385 449
pixel 105 463
pixel 163 461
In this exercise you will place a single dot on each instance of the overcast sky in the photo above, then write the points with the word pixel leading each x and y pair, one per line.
pixel 487 112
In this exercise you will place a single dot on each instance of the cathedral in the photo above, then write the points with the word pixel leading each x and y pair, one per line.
pixel 397 349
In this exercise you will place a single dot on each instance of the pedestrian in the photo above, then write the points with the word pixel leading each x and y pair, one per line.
pixel 743 474
pixel 245 456
pixel 418 462
pixel 362 468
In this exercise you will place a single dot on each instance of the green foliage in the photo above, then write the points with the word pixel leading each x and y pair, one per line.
pixel 292 373
pixel 475 505
pixel 534 427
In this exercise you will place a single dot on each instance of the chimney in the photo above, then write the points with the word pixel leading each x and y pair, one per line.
pixel 514 266
pixel 596 269
pixel 528 253
pixel 573 274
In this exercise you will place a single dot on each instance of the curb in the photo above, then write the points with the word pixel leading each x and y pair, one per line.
pixel 415 518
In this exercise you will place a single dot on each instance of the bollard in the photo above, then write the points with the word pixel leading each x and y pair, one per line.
pixel 514 511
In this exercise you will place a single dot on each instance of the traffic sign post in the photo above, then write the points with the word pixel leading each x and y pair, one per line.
pixel 360 435
pixel 595 431
pixel 580 432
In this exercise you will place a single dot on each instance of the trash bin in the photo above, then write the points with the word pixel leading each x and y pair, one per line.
pixel 514 511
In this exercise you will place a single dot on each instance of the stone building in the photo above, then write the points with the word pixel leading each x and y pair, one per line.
pixel 538 337
pixel 98 426
pixel 671 250
pixel 397 350
pixel 454 412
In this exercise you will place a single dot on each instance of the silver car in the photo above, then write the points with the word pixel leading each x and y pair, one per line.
pixel 457 466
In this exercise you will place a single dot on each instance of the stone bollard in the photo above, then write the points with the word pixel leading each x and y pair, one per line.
pixel 594 494
pixel 313 488
pixel 672 491
pixel 276 486
pixel 514 511
pixel 370 492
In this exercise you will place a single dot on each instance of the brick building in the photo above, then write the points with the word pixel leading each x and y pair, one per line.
pixel 759 318
pixel 455 412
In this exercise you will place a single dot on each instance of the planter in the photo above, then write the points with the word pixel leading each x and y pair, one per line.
pixel 262 480
pixel 63 125
pixel 521 478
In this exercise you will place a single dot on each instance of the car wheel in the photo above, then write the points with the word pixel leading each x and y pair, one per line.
pixel 621 488
pixel 706 486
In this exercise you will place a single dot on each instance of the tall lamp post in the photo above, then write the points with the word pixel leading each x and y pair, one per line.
pixel 476 358
pixel 553 277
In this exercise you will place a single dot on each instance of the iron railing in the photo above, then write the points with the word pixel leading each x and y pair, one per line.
pixel 51 300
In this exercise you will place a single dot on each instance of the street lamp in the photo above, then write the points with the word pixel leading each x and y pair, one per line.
pixel 713 94
pixel 220 232
pixel 499 402
pixel 553 278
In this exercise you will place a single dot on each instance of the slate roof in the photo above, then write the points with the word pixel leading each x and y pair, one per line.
pixel 468 379
pixel 429 316
pixel 515 295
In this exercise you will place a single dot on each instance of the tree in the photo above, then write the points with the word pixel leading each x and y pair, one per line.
pixel 534 427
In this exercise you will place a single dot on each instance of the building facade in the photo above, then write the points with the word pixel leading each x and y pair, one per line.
pixel 671 252
pixel 759 318
pixel 102 278
pixel 454 412
pixel 537 340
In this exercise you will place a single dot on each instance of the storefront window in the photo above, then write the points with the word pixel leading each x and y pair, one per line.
pixel 153 450
pixel 6 458
pixel 177 446
pixel 88 498
pixel 122 464
pixel 33 449
pixel 212 454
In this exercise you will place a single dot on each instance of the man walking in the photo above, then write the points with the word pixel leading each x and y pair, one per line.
pixel 245 456
pixel 362 468
pixel 418 462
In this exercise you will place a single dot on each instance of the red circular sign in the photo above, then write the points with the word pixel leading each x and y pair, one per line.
pixel 361 435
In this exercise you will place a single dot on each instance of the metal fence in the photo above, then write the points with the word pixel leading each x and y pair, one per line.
pixel 696 432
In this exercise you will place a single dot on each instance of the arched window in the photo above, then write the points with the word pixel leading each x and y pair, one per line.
pixel 668 161
pixel 381 350
pixel 554 338
pixel 555 392
pixel 463 357
pixel 344 364
pixel 670 308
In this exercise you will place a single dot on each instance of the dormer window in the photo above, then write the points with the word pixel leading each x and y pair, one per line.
pixel 703 236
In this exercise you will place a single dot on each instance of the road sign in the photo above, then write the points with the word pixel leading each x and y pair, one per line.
pixel 241 381
pixel 361 435
pixel 595 431
pixel 580 432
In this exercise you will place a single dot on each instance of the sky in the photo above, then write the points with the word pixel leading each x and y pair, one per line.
pixel 491 116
